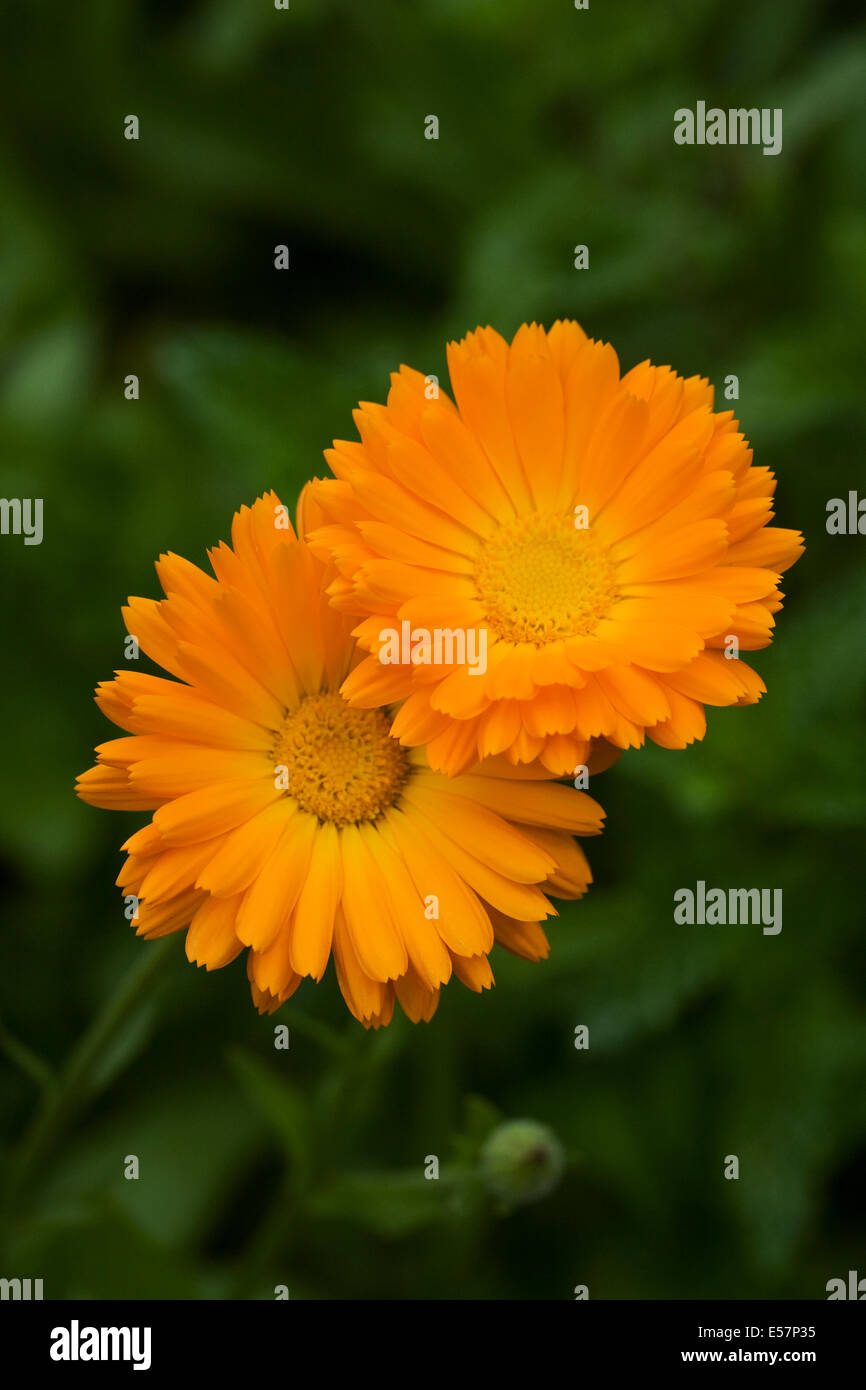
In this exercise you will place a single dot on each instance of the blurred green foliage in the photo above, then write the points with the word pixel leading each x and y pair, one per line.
pixel 305 1167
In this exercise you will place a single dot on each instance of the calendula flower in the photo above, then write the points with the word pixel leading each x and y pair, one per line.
pixel 605 536
pixel 287 822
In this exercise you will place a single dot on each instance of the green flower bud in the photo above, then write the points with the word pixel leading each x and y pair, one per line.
pixel 521 1161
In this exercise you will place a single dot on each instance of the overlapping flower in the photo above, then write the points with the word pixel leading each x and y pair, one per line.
pixel 287 822
pixel 605 538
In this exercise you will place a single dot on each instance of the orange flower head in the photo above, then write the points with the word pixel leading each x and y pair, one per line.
pixel 289 823
pixel 602 538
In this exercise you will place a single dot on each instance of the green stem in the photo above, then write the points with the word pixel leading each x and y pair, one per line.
pixel 72 1090
pixel 278 1229
pixel 26 1059
pixel 268 1242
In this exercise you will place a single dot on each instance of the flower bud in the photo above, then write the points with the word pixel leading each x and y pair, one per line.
pixel 521 1161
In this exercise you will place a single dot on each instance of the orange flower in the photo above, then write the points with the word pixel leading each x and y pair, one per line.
pixel 290 823
pixel 607 537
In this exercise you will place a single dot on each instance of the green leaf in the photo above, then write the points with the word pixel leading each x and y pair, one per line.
pixel 388 1203
pixel 480 1117
pixel 282 1104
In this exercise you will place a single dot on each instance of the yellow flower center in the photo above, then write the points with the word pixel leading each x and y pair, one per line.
pixel 343 765
pixel 540 578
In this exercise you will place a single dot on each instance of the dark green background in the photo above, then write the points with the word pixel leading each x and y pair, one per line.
pixel 260 127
